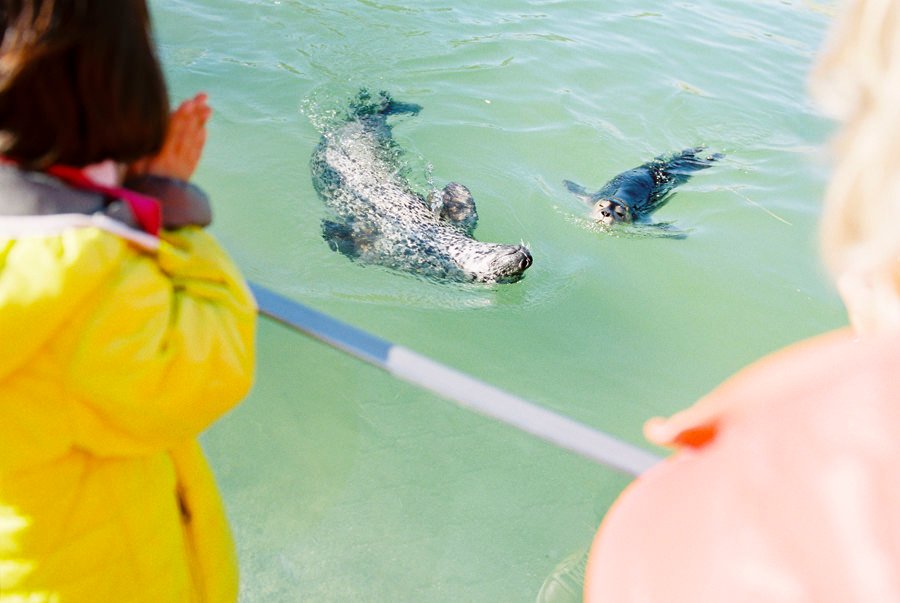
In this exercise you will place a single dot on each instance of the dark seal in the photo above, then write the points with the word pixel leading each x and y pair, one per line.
pixel 379 219
pixel 635 194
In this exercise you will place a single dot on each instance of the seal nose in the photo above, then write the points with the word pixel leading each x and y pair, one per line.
pixel 526 260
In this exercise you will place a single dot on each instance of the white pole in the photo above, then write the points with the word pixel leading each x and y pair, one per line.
pixel 459 387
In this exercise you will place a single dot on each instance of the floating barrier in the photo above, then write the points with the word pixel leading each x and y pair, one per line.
pixel 455 385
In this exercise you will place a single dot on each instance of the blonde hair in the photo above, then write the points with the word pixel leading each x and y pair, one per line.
pixel 857 80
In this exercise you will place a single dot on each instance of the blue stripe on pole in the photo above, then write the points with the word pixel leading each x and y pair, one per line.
pixel 354 341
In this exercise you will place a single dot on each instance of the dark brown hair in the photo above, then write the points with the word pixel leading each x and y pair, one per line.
pixel 79 82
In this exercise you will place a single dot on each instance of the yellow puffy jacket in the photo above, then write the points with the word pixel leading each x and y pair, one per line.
pixel 118 349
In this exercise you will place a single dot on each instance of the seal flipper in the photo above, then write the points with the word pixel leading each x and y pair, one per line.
pixel 339 236
pixel 457 206
pixel 579 191
pixel 368 104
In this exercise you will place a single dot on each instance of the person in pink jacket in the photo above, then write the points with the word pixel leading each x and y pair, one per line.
pixel 785 481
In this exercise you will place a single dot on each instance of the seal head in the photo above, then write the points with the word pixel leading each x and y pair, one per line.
pixel 495 263
pixel 610 211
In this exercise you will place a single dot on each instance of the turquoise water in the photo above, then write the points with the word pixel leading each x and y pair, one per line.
pixel 343 484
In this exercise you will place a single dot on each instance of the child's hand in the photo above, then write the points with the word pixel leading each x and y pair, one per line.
pixel 183 144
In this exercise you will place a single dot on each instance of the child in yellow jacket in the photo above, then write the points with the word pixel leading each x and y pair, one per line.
pixel 126 329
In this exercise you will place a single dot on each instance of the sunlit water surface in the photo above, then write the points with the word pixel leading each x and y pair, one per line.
pixel 343 484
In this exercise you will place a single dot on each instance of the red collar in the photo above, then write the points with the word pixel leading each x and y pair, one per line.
pixel 147 210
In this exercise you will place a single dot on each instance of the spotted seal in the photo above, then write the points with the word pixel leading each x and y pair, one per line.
pixel 379 219
pixel 635 194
